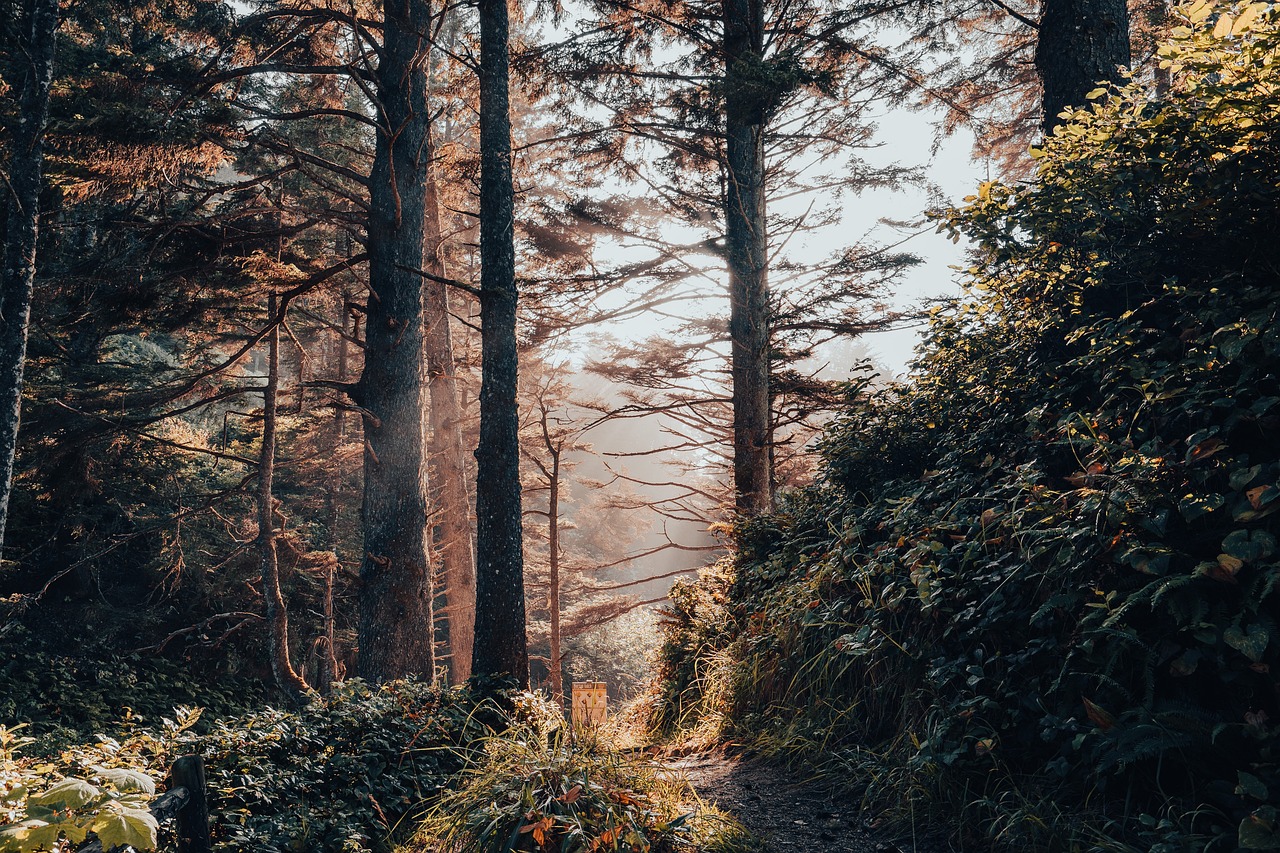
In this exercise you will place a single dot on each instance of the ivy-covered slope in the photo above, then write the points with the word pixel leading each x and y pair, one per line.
pixel 1038 583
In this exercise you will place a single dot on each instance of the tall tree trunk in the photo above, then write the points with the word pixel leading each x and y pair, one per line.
pixel 500 643
pixel 22 228
pixel 747 248
pixel 553 561
pixel 287 678
pixel 448 456
pixel 396 631
pixel 328 670
pixel 1079 43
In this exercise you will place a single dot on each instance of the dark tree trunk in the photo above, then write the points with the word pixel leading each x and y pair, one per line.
pixel 22 227
pixel 500 643
pixel 747 249
pixel 556 674
pixel 328 670
pixel 1080 42
pixel 396 626
pixel 449 459
pixel 287 678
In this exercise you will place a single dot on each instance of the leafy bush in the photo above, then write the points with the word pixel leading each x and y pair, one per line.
pixel 342 774
pixel 69 809
pixel 1039 582
pixel 67 695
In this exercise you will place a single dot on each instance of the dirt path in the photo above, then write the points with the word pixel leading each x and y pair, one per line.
pixel 789 814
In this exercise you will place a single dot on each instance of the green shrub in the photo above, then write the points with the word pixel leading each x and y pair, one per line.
pixel 342 774
pixel 37 814
pixel 65 695
pixel 1039 582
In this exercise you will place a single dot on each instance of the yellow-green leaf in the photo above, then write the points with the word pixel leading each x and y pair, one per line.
pixel 1247 17
pixel 1223 28
pixel 73 793
pixel 134 827
pixel 1199 11
pixel 1250 642
pixel 127 781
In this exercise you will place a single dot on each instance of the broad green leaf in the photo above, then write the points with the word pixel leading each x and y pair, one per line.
pixel 134 827
pixel 29 835
pixel 1249 545
pixel 127 781
pixel 1252 786
pixel 1258 831
pixel 12 837
pixel 1242 477
pixel 1251 641
pixel 9 840
pixel 1233 346
pixel 73 793
pixel 1196 506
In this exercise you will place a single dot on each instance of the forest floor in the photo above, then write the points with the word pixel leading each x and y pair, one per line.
pixel 789 813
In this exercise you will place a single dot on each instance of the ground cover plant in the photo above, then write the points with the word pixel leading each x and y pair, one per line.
pixel 1037 587
pixel 348 772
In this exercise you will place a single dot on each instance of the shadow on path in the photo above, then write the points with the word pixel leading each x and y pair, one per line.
pixel 790 814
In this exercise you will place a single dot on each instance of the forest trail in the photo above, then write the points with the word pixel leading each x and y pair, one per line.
pixel 788 813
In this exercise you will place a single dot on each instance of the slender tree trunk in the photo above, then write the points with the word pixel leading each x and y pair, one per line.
pixel 500 643
pixel 747 249
pixel 287 678
pixel 553 560
pixel 328 671
pixel 396 628
pixel 1079 43
pixel 22 227
pixel 449 457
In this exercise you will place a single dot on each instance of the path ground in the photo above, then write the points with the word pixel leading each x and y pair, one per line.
pixel 788 813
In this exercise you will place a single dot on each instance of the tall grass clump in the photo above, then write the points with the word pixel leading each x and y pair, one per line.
pixel 546 786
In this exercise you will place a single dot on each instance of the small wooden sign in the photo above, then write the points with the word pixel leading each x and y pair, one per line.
pixel 590 702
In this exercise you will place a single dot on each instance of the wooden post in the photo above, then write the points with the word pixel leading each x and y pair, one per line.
pixel 193 818
pixel 590 702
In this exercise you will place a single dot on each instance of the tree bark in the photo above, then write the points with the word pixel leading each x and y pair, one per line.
pixel 448 457
pixel 1079 44
pixel 746 240
pixel 328 670
pixel 22 229
pixel 553 561
pixel 287 678
pixel 501 647
pixel 396 630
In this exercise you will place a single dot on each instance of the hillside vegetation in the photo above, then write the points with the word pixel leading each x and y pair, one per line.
pixel 1034 595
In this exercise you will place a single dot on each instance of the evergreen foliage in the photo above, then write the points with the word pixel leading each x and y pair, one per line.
pixel 1040 581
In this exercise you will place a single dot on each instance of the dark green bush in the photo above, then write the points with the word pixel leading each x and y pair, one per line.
pixel 67 692
pixel 346 773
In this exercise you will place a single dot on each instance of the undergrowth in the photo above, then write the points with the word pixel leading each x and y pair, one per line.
pixel 347 773
pixel 1034 596
pixel 546 786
